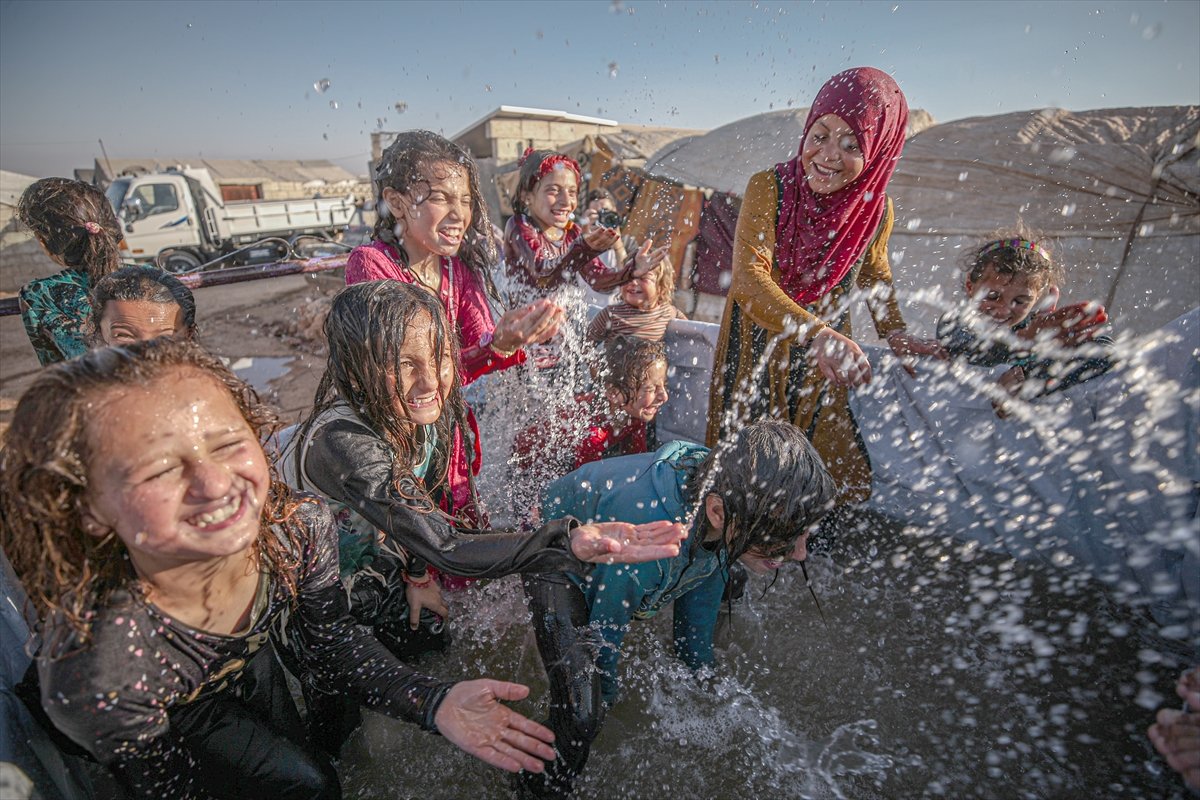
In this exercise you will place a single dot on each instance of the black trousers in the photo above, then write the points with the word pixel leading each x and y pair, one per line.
pixel 251 742
pixel 568 647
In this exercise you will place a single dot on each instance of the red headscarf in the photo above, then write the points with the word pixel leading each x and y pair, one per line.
pixel 818 238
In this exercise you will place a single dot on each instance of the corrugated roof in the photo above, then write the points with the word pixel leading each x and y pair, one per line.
pixel 230 170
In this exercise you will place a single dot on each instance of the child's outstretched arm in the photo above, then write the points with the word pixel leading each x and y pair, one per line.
pixel 348 462
pixel 1069 325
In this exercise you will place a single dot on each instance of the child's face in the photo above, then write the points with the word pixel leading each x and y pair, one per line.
pixel 426 375
pixel 642 293
pixel 437 214
pixel 830 155
pixel 175 471
pixel 128 321
pixel 1006 299
pixel 765 563
pixel 554 198
pixel 650 395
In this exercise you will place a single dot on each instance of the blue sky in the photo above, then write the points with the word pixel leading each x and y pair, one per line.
pixel 235 80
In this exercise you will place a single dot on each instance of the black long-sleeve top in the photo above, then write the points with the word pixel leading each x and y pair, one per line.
pixel 348 462
pixel 114 696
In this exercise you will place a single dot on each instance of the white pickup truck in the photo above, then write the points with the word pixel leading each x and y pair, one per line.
pixel 180 214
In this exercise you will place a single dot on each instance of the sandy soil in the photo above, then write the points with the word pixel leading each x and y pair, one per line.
pixel 266 319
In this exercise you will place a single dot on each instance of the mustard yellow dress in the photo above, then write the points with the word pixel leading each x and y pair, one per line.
pixel 787 385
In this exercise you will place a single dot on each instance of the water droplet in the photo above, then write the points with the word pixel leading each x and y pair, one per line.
pixel 401 107
pixel 1068 210
pixel 322 85
pixel 612 69
pixel 913 223
pixel 333 104
pixel 1151 32
pixel 962 176
pixel 1028 28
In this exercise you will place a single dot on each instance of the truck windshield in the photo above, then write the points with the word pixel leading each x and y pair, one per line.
pixel 116 193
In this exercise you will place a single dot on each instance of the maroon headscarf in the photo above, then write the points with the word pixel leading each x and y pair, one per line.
pixel 818 238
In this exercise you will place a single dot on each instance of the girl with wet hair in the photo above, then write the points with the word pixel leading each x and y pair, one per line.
pixel 753 499
pixel 433 230
pixel 544 248
pixel 812 232
pixel 168 567
pixel 76 226
pixel 387 424
pixel 137 303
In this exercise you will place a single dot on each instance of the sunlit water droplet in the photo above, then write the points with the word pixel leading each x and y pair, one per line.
pixel 322 85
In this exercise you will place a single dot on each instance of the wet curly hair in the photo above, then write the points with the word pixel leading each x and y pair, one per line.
pixel 1018 251
pixel 44 479
pixel 142 282
pixel 626 361
pixel 60 211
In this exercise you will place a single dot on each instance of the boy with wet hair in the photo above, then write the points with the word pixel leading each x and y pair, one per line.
pixel 1047 349
pixel 753 499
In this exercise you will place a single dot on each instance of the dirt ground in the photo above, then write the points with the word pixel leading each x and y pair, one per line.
pixel 265 319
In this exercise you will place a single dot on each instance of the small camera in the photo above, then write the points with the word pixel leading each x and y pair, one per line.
pixel 609 219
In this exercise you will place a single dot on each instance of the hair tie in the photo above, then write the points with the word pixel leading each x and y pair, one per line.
pixel 1015 244
pixel 92 227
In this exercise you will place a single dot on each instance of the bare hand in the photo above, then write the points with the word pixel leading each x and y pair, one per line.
pixel 1070 325
pixel 622 543
pixel 534 323
pixel 473 719
pixel 906 347
pixel 840 360
pixel 648 257
pixel 1176 734
pixel 1010 382
pixel 427 596
pixel 601 238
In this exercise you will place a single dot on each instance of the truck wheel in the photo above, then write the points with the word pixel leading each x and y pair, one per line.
pixel 178 262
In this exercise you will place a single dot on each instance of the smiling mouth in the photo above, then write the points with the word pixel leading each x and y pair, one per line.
pixel 422 402
pixel 825 172
pixel 230 509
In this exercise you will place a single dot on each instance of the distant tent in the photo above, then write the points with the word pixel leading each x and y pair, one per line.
pixel 1116 192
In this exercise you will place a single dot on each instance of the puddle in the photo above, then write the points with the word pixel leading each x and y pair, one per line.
pixel 260 371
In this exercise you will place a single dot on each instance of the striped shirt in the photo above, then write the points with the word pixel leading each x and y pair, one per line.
pixel 623 319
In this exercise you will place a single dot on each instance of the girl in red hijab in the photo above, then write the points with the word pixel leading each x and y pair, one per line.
pixel 812 231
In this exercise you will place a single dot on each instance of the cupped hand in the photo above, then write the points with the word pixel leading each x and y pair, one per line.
pixel 840 359
pixel 623 543
pixel 427 596
pixel 472 717
pixel 535 323
pixel 1069 325
pixel 601 238
pixel 648 257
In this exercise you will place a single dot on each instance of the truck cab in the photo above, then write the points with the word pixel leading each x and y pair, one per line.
pixel 163 211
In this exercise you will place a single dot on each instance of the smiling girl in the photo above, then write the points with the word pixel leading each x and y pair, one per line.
pixel 169 567
pixel 544 247
pixel 433 230
pixel 380 445
pixel 137 303
pixel 811 232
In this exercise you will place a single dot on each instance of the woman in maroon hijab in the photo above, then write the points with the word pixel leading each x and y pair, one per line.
pixel 811 231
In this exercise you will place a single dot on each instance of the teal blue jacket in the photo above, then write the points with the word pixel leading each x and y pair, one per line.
pixel 644 488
